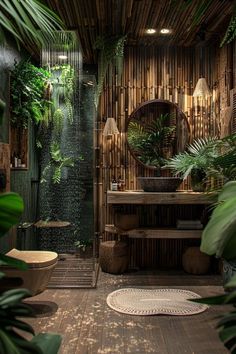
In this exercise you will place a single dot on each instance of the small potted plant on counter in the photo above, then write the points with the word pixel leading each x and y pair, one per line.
pixel 84 248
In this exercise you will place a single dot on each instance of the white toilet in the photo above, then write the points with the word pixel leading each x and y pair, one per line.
pixel 40 267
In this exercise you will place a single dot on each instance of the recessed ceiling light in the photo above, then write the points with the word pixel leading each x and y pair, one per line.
pixel 62 57
pixel 165 31
pixel 150 31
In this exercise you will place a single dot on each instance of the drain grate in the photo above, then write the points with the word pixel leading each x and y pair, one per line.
pixel 73 272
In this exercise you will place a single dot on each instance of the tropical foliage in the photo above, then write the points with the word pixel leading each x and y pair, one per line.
pixel 12 340
pixel 202 7
pixel 219 238
pixel 29 21
pixel 219 235
pixel 28 100
pixel 111 51
pixel 210 156
pixel 57 162
pixel 227 323
pixel 148 141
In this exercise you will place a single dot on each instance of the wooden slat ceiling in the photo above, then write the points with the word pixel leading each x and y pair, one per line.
pixel 91 18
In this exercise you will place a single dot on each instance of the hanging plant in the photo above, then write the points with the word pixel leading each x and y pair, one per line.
pixel 57 162
pixel 28 94
pixel 111 50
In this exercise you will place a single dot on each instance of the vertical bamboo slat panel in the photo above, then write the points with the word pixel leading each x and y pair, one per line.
pixel 164 73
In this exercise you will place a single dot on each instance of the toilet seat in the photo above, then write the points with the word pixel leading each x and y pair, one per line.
pixel 34 259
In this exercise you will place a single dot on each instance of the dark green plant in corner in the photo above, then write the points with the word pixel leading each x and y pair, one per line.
pixel 57 162
pixel 219 238
pixel 11 305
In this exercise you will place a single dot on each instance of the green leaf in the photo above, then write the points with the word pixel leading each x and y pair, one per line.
pixel 231 283
pixel 211 300
pixel 228 333
pixel 11 297
pixel 48 342
pixel 23 326
pixel 219 236
pixel 13 262
pixel 11 208
pixel 7 345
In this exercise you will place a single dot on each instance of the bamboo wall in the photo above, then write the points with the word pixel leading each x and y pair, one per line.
pixel 157 73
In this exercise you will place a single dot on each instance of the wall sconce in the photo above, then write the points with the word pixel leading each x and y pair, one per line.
pixel 202 89
pixel 110 127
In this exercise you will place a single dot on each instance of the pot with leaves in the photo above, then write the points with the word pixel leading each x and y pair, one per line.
pixel 84 248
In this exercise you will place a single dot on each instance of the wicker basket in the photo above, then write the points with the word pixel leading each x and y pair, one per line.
pixel 159 184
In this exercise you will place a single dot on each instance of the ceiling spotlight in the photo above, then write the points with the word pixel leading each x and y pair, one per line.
pixel 165 31
pixel 63 57
pixel 150 31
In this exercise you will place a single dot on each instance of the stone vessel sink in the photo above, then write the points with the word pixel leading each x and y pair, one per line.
pixel 159 184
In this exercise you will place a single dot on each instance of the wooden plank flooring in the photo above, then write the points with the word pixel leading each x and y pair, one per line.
pixel 89 326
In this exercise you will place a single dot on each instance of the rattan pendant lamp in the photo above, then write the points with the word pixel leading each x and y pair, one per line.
pixel 202 89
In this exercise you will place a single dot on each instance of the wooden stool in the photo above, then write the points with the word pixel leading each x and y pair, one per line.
pixel 114 256
pixel 195 262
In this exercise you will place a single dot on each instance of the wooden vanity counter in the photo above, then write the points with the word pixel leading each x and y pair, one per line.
pixel 140 197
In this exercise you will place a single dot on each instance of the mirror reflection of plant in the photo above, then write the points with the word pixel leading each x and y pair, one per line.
pixel 150 140
pixel 57 162
pixel 28 101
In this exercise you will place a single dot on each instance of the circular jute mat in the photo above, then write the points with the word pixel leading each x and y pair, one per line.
pixel 145 302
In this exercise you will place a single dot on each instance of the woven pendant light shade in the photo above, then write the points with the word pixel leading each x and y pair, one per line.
pixel 202 89
pixel 110 127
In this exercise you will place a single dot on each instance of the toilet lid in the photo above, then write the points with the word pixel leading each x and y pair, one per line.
pixel 34 259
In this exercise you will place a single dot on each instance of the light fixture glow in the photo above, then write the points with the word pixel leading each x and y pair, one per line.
pixel 202 89
pixel 110 127
pixel 63 57
pixel 165 31
pixel 150 31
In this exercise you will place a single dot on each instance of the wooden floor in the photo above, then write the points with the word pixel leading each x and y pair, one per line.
pixel 89 326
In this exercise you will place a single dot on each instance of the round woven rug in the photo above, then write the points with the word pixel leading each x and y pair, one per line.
pixel 145 302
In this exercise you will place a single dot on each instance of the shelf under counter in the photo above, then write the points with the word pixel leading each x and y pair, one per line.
pixel 140 197
pixel 158 233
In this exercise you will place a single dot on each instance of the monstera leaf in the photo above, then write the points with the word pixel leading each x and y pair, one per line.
pixel 219 236
pixel 11 208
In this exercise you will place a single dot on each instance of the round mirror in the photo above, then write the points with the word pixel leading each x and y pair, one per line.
pixel 156 131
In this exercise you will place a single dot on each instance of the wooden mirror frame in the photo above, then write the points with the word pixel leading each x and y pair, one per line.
pixel 180 116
